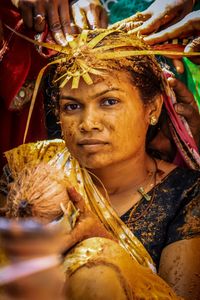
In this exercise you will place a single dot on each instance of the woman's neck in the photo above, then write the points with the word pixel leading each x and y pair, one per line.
pixel 120 177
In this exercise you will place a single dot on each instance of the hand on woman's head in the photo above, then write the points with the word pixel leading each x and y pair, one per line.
pixel 89 14
pixel 37 13
pixel 62 16
pixel 162 14
pixel 186 27
pixel 194 46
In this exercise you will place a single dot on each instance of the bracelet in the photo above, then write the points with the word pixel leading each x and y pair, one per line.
pixel 15 3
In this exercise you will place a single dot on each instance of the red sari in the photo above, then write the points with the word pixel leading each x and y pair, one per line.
pixel 19 63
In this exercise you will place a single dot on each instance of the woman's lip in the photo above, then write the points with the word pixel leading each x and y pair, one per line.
pixel 92 146
pixel 91 142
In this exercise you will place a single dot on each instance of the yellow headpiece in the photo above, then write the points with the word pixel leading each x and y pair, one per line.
pixel 94 52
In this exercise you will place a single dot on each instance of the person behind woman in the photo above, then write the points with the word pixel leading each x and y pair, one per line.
pixel 108 115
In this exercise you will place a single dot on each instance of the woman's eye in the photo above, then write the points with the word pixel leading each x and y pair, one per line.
pixel 71 107
pixel 109 102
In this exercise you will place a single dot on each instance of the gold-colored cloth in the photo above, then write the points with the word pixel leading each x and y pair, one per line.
pixel 55 152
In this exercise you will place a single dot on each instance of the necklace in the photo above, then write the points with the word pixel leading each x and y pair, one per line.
pixel 145 196
pixel 141 190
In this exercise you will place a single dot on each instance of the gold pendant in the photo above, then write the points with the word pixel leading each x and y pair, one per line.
pixel 142 192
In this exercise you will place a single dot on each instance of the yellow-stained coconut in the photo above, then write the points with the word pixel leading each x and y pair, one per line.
pixel 38 192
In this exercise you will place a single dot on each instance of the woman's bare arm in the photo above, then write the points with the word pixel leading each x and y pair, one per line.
pixel 180 267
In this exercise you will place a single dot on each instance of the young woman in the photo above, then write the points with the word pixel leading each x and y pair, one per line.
pixel 108 117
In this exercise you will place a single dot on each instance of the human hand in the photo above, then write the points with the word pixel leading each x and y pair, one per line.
pixel 162 13
pixel 36 13
pixel 89 14
pixel 187 26
pixel 86 13
pixel 186 106
pixel 87 225
pixel 194 46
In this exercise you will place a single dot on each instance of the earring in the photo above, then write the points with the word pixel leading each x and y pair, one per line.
pixel 153 120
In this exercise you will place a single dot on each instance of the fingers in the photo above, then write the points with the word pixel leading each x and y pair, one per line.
pixel 103 18
pixel 178 64
pixel 77 199
pixel 89 14
pixel 55 23
pixel 79 17
pixel 185 27
pixel 194 46
pixel 153 23
pixel 39 17
pixel 181 91
pixel 185 110
pixel 26 10
pixel 65 19
pixel 56 12
pixel 164 35
pixel 93 16
pixel 96 16
pixel 192 117
pixel 186 106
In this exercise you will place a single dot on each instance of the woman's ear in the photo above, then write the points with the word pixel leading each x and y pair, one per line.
pixel 154 110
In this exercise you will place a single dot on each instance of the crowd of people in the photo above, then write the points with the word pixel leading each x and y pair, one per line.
pixel 128 157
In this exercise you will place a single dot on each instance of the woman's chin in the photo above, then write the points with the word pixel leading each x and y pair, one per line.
pixel 94 163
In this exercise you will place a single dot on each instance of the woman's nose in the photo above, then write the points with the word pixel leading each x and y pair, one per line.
pixel 90 122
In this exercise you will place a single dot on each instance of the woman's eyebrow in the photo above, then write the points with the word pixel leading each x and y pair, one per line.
pixel 68 98
pixel 94 96
pixel 106 91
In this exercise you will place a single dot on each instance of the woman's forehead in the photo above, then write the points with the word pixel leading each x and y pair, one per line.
pixel 117 80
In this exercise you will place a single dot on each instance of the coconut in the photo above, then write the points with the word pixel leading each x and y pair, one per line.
pixel 100 269
pixel 38 192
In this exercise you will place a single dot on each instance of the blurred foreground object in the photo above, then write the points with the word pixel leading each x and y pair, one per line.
pixel 32 267
pixel 33 270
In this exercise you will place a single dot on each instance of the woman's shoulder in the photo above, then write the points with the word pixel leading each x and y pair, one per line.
pixel 177 196
pixel 177 186
pixel 178 176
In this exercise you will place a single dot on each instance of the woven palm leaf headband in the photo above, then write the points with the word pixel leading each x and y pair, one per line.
pixel 93 52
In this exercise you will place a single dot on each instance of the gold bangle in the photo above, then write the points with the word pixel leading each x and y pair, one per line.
pixel 15 3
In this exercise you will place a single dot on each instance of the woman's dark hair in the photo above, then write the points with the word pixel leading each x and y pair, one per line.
pixel 51 105
pixel 147 82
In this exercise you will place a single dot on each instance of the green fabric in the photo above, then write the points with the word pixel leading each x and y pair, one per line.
pixel 190 77
pixel 197 5
pixel 192 73
pixel 122 9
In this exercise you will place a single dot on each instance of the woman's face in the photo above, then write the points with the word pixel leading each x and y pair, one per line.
pixel 104 123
